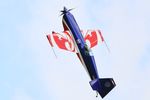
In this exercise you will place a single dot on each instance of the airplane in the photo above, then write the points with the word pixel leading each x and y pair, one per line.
pixel 75 40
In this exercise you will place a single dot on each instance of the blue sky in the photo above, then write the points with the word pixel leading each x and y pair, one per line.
pixel 30 71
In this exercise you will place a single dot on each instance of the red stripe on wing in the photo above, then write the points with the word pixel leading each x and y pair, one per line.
pixel 63 42
pixel 91 36
pixel 49 39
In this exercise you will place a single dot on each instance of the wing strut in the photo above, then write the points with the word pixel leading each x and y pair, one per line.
pixel 48 37
pixel 107 46
pixel 54 52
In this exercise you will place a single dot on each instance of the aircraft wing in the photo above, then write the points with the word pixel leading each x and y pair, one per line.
pixel 64 40
pixel 92 37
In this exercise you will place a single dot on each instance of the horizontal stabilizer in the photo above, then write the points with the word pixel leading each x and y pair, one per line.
pixel 103 86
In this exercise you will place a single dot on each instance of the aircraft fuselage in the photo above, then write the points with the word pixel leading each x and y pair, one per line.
pixel 85 53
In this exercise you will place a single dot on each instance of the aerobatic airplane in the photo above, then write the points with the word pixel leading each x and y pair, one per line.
pixel 75 40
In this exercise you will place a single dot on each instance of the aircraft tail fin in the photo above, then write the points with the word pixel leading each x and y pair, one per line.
pixel 103 86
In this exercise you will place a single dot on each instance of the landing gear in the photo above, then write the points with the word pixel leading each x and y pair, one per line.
pixel 96 94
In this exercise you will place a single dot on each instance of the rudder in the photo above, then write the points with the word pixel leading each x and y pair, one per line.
pixel 103 86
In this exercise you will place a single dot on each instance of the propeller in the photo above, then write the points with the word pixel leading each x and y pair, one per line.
pixel 65 10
